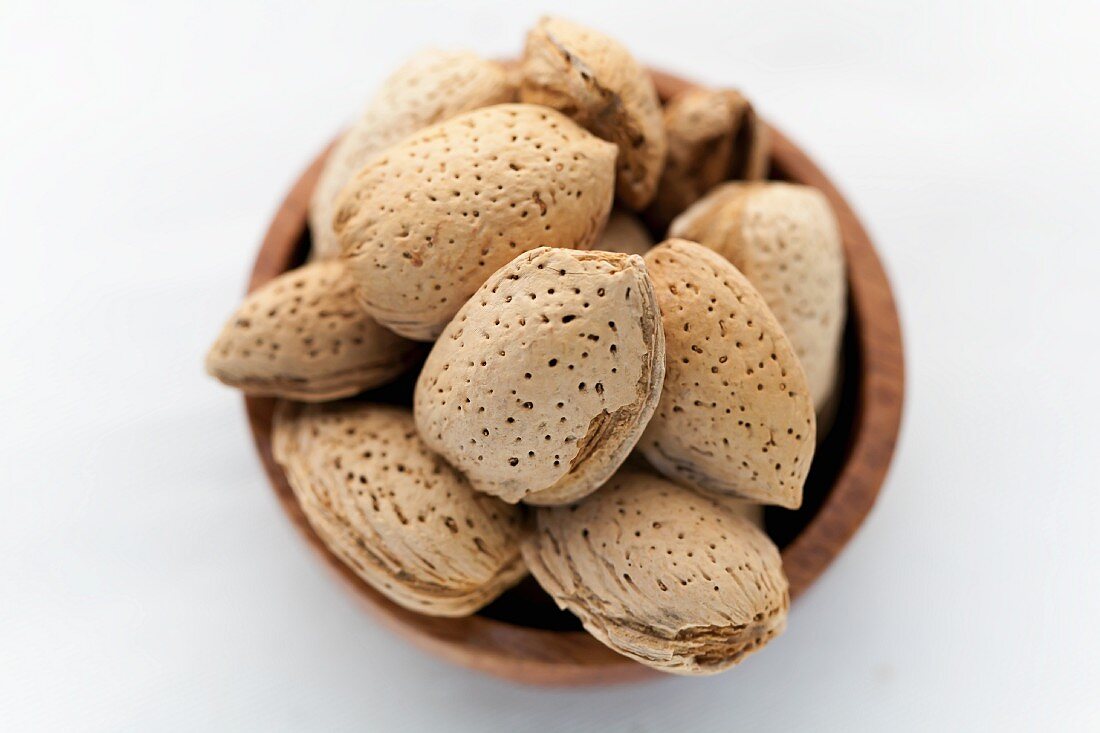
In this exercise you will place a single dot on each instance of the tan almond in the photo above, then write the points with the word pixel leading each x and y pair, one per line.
pixel 596 81
pixel 625 234
pixel 784 238
pixel 430 87
pixel 735 414
pixel 427 221
pixel 393 511
pixel 543 382
pixel 304 336
pixel 660 574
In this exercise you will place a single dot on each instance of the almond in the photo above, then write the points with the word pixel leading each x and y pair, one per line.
pixel 595 80
pixel 431 87
pixel 702 126
pixel 625 234
pixel 426 222
pixel 735 414
pixel 394 512
pixel 784 238
pixel 304 336
pixel 545 379
pixel 662 575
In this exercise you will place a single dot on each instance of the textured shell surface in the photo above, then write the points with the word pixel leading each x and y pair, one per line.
pixel 544 381
pixel 430 87
pixel 671 578
pixel 304 336
pixel 393 511
pixel 427 221
pixel 625 234
pixel 701 125
pixel 735 414
pixel 784 238
pixel 596 81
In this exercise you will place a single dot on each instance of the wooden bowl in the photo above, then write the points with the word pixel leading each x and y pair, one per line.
pixel 523 636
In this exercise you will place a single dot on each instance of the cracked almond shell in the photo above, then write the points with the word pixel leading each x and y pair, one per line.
pixel 430 87
pixel 784 238
pixel 735 414
pixel 668 577
pixel 625 234
pixel 393 511
pixel 428 220
pixel 596 81
pixel 543 382
pixel 304 336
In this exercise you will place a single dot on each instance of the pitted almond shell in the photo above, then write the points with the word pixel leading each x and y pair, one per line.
pixel 543 382
pixel 393 511
pixel 668 577
pixel 596 81
pixel 625 234
pixel 304 336
pixel 428 220
pixel 735 414
pixel 784 238
pixel 430 87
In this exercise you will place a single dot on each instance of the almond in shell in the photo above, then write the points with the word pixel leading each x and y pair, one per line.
pixel 668 577
pixel 304 336
pixel 596 81
pixel 427 221
pixel 735 415
pixel 393 511
pixel 430 87
pixel 543 382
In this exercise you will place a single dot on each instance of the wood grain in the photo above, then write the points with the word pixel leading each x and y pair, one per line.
pixel 523 637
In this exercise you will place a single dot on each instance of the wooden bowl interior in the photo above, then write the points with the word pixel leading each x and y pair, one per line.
pixel 523 635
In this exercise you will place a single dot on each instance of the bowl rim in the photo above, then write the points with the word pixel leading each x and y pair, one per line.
pixel 540 656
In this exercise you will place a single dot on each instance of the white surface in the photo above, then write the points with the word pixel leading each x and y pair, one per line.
pixel 149 581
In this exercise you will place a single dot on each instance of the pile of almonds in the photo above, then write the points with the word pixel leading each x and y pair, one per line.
pixel 502 215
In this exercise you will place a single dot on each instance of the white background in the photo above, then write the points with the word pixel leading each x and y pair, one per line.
pixel 148 580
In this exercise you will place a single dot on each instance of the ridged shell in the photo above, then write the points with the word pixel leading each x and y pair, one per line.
pixel 596 81
pixel 393 511
pixel 784 238
pixel 665 576
pixel 427 221
pixel 545 379
pixel 430 87
pixel 304 336
pixel 735 414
